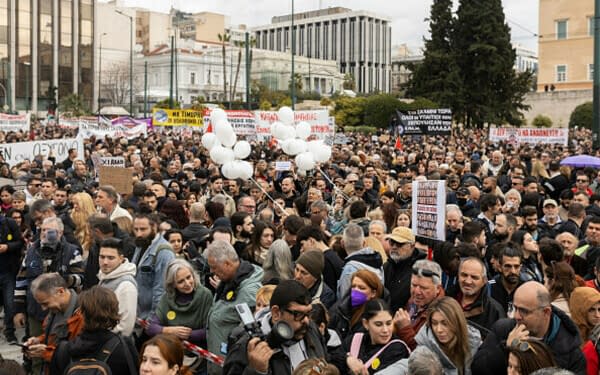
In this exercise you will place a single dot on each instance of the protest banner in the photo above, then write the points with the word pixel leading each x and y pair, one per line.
pixel 429 209
pixel 119 178
pixel 282 166
pixel 243 122
pixel 105 129
pixel 320 123
pixel 531 136
pixel 176 117
pixel 13 153
pixel 112 161
pixel 14 123
pixel 425 122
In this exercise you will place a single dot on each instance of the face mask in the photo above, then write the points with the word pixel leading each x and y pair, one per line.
pixel 357 298
pixel 51 237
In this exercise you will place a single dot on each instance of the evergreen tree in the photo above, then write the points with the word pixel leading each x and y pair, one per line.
pixel 437 78
pixel 491 92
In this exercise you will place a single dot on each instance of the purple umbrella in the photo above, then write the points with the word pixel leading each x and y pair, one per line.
pixel 581 161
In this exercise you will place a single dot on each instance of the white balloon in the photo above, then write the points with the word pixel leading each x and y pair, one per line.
pixel 305 161
pixel 301 172
pixel 276 129
pixel 221 155
pixel 323 154
pixel 246 170
pixel 216 115
pixel 242 149
pixel 223 129
pixel 296 146
pixel 287 132
pixel 314 146
pixel 285 146
pixel 229 139
pixel 303 130
pixel 209 140
pixel 286 115
pixel 228 170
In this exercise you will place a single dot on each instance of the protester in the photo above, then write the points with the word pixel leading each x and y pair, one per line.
pixel 163 355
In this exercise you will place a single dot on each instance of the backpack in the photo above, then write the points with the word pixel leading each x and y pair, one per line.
pixel 96 365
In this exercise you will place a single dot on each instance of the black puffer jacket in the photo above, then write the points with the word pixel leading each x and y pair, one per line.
pixel 86 345
pixel 563 338
pixel 397 279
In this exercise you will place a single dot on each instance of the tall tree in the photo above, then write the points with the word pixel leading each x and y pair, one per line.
pixel 438 78
pixel 492 91
pixel 224 38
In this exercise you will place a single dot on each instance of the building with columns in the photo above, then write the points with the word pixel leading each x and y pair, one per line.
pixel 359 42
pixel 44 44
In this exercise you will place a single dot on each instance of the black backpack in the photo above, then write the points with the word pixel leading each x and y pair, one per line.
pixel 95 365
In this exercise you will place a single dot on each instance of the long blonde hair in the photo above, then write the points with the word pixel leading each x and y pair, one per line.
pixel 457 349
pixel 85 208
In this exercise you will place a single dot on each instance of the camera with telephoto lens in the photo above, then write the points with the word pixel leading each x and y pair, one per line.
pixel 281 332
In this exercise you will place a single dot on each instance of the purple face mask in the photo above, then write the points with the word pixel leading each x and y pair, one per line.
pixel 358 298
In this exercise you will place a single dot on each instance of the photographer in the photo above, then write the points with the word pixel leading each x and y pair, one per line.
pixel 248 355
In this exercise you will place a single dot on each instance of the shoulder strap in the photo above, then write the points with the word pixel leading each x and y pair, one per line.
pixel 368 363
pixel 132 367
pixel 355 346
pixel 107 349
pixel 161 247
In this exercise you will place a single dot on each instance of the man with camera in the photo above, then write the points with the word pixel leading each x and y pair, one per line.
pixel 280 340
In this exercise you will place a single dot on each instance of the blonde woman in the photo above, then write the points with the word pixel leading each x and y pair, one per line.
pixel 83 208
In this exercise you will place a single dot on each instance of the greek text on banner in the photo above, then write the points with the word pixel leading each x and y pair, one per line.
pixel 176 117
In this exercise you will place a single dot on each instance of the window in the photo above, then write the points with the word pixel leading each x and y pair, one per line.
pixel 591 72
pixel 561 73
pixel 561 29
pixel 192 78
pixel 591 26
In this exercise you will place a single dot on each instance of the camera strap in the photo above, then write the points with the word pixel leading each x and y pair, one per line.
pixel 355 348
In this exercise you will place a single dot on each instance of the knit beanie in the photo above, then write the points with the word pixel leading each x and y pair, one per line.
pixel 313 262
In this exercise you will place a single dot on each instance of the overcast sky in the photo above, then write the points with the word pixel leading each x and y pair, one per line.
pixel 407 16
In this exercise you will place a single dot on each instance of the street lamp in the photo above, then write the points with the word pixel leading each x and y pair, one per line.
pixel 100 73
pixel 130 59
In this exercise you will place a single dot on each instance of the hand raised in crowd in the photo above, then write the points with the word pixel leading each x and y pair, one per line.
pixel 518 333
pixel 356 366
pixel 214 281
pixel 401 318
pixel 179 331
pixel 19 320
pixel 259 354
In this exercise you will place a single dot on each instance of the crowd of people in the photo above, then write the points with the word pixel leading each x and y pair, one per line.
pixel 302 273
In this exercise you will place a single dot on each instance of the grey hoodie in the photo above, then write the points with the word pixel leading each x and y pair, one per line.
pixel 122 281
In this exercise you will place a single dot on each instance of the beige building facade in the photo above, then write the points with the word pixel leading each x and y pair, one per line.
pixel 566 45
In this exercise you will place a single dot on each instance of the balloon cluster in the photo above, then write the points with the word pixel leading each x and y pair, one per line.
pixel 225 149
pixel 293 141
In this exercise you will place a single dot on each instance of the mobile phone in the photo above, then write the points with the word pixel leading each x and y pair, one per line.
pixel 24 347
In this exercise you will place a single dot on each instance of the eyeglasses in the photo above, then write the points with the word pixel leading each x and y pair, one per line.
pixel 522 346
pixel 424 273
pixel 512 308
pixel 247 206
pixel 582 180
pixel 299 315
pixel 36 185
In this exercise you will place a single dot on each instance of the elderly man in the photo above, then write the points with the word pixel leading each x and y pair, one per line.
pixel 425 287
pixel 397 269
pixel 569 243
pixel 480 310
pixel 454 222
pixel 533 317
pixel 239 283
pixel 247 204
pixel 290 303
pixel 64 321
pixel 309 272
pixel 107 201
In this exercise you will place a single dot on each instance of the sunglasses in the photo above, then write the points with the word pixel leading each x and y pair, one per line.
pixel 582 180
pixel 299 315
pixel 424 273
pixel 522 346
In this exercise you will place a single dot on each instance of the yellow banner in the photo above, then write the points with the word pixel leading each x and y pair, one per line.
pixel 176 117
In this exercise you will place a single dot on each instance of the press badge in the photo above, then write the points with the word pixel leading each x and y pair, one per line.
pixel 224 348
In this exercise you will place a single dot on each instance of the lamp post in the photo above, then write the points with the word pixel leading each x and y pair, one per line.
pixel 293 81
pixel 130 59
pixel 100 73
pixel 27 80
